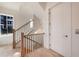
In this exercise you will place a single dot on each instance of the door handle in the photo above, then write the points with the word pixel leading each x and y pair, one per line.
pixel 66 36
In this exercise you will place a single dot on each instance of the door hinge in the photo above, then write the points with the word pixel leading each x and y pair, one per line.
pixel 49 34
pixel 49 23
pixel 49 45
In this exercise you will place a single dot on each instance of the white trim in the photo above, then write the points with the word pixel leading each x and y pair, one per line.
pixel 49 15
pixel 55 5
pixel 6 14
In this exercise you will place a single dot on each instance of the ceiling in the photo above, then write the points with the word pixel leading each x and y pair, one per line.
pixel 10 5
pixel 16 5
pixel 43 5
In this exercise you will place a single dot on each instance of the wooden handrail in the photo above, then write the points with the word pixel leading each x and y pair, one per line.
pixel 20 40
pixel 29 33
pixel 22 26
pixel 14 31
pixel 35 34
pixel 32 40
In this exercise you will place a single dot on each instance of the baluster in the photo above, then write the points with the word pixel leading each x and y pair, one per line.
pixel 16 35
pixel 22 46
pixel 42 40
pixel 27 44
pixel 36 38
pixel 31 43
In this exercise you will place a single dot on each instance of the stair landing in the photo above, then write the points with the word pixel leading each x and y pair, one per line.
pixel 43 52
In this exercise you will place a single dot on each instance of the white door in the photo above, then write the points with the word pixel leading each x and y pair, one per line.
pixel 61 29
pixel 75 29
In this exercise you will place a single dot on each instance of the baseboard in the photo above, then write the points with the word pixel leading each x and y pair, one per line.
pixel 57 53
pixel 5 45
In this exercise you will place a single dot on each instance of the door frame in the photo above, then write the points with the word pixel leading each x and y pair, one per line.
pixel 49 20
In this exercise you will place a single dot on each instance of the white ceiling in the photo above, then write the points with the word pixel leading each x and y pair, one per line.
pixel 22 7
pixel 10 5
pixel 43 5
pixel 16 5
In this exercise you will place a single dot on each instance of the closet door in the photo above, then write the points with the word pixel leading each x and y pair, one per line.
pixel 75 29
pixel 61 29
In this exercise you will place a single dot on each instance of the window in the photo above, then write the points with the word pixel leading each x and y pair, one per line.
pixel 6 24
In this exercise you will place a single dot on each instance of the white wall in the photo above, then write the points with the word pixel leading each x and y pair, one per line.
pixel 24 11
pixel 6 39
pixel 35 9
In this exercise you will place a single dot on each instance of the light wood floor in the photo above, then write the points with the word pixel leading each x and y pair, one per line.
pixel 43 52
pixel 8 51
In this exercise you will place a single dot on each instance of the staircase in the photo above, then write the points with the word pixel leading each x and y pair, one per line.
pixel 26 40
pixel 31 42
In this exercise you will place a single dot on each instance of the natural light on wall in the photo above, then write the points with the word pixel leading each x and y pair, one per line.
pixel 31 23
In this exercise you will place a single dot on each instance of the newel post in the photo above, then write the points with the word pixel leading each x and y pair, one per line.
pixel 14 42
pixel 23 50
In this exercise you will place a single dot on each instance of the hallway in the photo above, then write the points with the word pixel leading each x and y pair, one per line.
pixel 7 51
pixel 43 52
